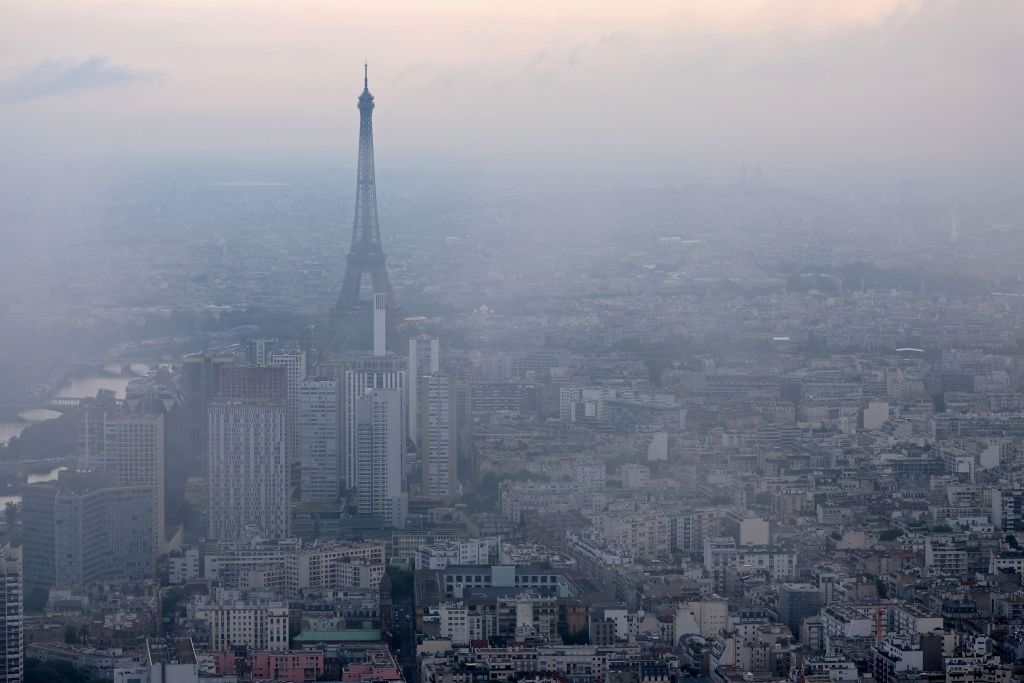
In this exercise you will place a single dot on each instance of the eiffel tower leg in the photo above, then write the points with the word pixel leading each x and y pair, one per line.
pixel 349 296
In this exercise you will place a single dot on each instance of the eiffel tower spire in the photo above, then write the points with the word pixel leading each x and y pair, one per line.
pixel 366 255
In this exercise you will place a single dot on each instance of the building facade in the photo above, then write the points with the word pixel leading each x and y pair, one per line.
pixel 378 455
pixel 248 468
pixel 83 529
pixel 319 432
pixel 437 436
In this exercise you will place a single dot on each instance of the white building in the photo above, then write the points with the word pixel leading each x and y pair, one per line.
pixel 183 566
pixel 568 398
pixel 254 624
pixel 1008 509
pixel 133 445
pixel 453 623
pixel 319 431
pixel 876 414
pixel 896 656
pixel 689 530
pixel 778 564
pixel 913 619
pixel 336 566
pixel 843 620
pixel 294 363
pixel 321 566
pixel 722 556
pixel 590 476
pixel 707 618
pixel 657 449
pixel 369 373
pixel 248 468
pixel 646 535
pixel 746 527
pixel 442 554
pixel 378 446
pixel 437 437
pixel 424 359
pixel 943 556
pixel 459 624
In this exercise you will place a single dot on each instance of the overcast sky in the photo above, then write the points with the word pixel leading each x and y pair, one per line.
pixel 806 88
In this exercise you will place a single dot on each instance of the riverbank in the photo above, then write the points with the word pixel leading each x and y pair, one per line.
pixel 75 381
pixel 10 487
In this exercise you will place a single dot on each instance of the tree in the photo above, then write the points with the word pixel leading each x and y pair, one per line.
pixel 401 582
pixel 169 607
pixel 656 367
pixel 581 637
pixel 38 671
pixel 890 535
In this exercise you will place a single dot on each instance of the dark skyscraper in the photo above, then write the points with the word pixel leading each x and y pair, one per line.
pixel 366 255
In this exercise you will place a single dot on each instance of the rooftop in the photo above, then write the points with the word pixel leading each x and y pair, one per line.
pixel 342 635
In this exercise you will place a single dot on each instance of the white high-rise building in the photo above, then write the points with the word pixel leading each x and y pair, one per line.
pixel 294 363
pixel 378 455
pixel 319 428
pixel 248 468
pixel 369 373
pixel 12 645
pixel 424 359
pixel 568 398
pixel 437 444
pixel 133 446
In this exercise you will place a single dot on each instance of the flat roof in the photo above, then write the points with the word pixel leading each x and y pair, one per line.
pixel 342 635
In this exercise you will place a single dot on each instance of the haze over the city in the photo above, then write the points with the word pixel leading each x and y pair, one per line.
pixel 456 341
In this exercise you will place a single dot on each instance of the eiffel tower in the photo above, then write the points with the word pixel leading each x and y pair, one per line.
pixel 366 255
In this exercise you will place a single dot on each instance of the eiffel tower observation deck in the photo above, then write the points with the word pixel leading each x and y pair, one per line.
pixel 366 255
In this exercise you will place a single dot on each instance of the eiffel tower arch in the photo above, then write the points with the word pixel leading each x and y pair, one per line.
pixel 350 319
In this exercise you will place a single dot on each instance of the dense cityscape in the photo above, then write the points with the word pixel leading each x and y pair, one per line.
pixel 721 431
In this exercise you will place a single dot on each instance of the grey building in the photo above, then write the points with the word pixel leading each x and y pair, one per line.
pixel 248 468
pixel 424 359
pixel 319 433
pixel 437 436
pixel 83 529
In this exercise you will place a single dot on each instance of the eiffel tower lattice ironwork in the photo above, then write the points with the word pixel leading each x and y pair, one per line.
pixel 366 255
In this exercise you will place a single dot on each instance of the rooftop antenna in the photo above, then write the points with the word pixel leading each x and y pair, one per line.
pixel 366 75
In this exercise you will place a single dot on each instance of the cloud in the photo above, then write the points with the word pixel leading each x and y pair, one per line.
pixel 61 76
